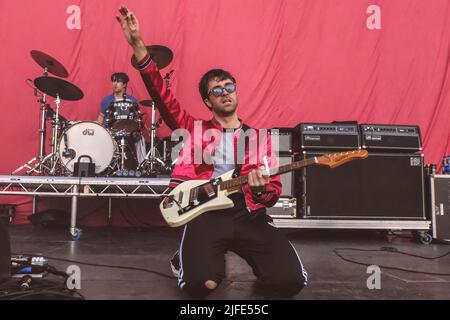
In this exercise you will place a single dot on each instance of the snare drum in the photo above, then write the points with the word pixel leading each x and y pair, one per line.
pixel 87 138
pixel 124 116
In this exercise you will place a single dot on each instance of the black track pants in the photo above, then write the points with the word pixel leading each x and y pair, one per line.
pixel 207 238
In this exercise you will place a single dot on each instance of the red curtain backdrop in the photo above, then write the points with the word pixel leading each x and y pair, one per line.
pixel 294 61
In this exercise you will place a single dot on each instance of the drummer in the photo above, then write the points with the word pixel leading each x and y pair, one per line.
pixel 119 84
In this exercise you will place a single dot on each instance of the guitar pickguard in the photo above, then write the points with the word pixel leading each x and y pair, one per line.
pixel 196 196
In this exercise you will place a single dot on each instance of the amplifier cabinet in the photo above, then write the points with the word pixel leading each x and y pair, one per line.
pixel 5 252
pixel 282 140
pixel 440 206
pixel 287 179
pixel 382 186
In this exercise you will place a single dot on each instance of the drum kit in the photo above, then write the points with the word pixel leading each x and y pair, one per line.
pixel 112 147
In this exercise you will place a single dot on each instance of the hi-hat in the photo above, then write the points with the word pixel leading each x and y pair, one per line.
pixel 146 103
pixel 52 65
pixel 58 87
pixel 161 55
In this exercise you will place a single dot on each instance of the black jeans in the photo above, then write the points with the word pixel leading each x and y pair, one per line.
pixel 207 238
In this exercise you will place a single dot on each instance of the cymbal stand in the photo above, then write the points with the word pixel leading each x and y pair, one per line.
pixel 40 167
pixel 119 164
pixel 122 158
pixel 55 133
pixel 147 166
pixel 42 132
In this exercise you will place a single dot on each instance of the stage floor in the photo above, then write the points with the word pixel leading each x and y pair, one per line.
pixel 330 277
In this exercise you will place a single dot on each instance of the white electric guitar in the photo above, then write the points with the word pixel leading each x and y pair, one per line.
pixel 194 197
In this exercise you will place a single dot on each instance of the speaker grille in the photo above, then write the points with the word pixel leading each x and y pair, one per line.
pixel 382 186
pixel 440 205
pixel 286 179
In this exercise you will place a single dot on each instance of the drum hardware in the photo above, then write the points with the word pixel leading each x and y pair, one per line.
pixel 56 87
pixel 169 149
pixel 49 64
pixel 128 173
pixel 124 121
pixel 152 164
pixel 71 140
pixel 167 78
pixel 161 55
pixel 123 156
pixel 51 115
pixel 61 90
pixel 67 152
pixel 55 135
pixel 45 108
pixel 42 131
pixel 123 115
pixel 127 160
pixel 90 139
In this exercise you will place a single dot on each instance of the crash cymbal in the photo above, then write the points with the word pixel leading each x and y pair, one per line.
pixel 55 86
pixel 52 65
pixel 162 56
pixel 146 103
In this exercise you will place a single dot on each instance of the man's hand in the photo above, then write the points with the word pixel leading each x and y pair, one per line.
pixel 132 31
pixel 257 180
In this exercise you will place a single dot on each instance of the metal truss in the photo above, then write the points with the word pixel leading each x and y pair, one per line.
pixel 84 187
pixel 74 188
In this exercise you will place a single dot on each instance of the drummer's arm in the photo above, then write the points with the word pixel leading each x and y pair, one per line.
pixel 101 118
pixel 101 115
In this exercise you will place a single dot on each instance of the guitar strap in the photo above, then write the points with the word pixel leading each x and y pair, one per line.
pixel 240 161
pixel 238 166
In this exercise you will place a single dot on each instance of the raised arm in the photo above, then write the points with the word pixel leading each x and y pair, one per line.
pixel 132 32
pixel 170 109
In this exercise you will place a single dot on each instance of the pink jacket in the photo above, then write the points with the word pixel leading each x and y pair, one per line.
pixel 188 169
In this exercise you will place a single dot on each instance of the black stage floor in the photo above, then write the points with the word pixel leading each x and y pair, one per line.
pixel 330 277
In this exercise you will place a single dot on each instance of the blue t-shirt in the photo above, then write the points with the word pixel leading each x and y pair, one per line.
pixel 108 99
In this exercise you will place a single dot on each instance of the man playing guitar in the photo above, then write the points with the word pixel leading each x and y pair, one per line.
pixel 245 229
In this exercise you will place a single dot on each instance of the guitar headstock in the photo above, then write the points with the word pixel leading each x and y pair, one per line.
pixel 334 160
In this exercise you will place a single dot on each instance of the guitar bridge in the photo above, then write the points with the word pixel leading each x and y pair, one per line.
pixel 170 200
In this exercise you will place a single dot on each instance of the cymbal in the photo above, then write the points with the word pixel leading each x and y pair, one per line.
pixel 52 65
pixel 146 103
pixel 162 56
pixel 55 86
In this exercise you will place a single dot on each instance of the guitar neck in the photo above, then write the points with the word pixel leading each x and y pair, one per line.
pixel 236 182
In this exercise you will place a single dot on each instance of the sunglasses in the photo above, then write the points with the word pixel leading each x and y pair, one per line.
pixel 218 91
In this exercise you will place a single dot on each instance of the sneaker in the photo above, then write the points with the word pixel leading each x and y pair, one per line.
pixel 175 264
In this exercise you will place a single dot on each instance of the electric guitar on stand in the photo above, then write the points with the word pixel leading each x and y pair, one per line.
pixel 192 198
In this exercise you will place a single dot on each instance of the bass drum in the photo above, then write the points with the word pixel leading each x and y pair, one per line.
pixel 87 138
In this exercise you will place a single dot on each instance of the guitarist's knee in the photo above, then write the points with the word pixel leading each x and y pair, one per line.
pixel 200 289
pixel 211 285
